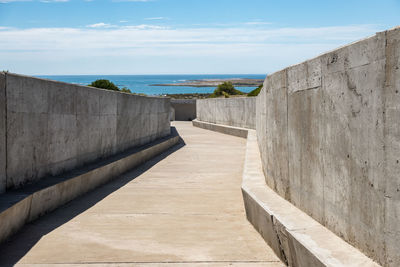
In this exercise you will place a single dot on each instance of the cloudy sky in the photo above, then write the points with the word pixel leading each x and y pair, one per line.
pixel 44 37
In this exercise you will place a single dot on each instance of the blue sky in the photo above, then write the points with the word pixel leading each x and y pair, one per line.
pixel 174 37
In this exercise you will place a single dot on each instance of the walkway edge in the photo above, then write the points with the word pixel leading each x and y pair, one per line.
pixel 25 205
pixel 295 237
pixel 225 129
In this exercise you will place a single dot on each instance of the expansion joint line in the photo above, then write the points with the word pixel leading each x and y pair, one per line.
pixel 279 241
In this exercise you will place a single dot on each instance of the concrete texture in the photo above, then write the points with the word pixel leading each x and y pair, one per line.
pixel 184 207
pixel 3 149
pixel 185 109
pixel 237 112
pixel 53 127
pixel 235 131
pixel 328 134
pixel 25 205
pixel 294 236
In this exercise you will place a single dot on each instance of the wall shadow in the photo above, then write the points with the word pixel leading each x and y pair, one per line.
pixel 17 246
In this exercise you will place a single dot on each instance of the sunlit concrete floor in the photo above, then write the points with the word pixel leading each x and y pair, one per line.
pixel 182 208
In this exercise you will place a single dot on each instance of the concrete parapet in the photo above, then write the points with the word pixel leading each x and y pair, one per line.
pixel 235 131
pixel 295 237
pixel 53 127
pixel 237 112
pixel 21 206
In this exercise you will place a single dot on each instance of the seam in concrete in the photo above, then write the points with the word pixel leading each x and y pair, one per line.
pixel 284 258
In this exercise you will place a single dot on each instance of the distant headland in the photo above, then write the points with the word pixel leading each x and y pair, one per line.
pixel 215 82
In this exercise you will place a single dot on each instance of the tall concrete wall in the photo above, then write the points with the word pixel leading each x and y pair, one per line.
pixel 329 136
pixel 185 109
pixel 53 127
pixel 3 180
pixel 238 112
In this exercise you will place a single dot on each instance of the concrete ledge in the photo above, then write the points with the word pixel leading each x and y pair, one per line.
pixel 21 206
pixel 225 129
pixel 295 237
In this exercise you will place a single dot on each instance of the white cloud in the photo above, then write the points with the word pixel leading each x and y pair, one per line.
pixel 105 48
pixel 100 25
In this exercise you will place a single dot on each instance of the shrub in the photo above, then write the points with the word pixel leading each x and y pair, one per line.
pixel 256 91
pixel 125 90
pixel 225 89
pixel 104 84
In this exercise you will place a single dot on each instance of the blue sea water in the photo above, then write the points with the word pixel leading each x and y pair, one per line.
pixel 142 83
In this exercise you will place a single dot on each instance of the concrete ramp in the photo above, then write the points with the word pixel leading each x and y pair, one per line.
pixel 182 208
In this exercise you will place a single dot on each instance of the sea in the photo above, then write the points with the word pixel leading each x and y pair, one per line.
pixel 143 83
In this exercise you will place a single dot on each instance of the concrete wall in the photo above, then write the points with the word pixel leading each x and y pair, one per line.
pixel 53 127
pixel 329 135
pixel 185 109
pixel 238 111
pixel 3 180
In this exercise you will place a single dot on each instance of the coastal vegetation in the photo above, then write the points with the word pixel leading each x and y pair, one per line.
pixel 106 84
pixel 256 91
pixel 225 89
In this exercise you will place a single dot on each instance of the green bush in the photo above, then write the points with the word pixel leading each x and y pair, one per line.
pixel 256 91
pixel 125 90
pixel 104 84
pixel 225 89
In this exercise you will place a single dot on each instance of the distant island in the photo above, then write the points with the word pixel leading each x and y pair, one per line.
pixel 215 82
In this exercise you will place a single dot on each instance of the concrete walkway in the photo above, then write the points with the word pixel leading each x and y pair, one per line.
pixel 183 208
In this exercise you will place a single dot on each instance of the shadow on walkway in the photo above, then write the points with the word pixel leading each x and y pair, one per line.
pixel 19 245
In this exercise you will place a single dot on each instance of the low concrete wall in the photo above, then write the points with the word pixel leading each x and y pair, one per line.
pixel 53 127
pixel 238 111
pixel 329 135
pixel 231 130
pixel 21 206
pixel 185 109
pixel 293 235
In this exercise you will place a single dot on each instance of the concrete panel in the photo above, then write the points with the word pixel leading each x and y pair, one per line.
pixel 304 143
pixel 237 112
pixel 392 152
pixel 275 148
pixel 14 213
pixel 185 109
pixel 3 159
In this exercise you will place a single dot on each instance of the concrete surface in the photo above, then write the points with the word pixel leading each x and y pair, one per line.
pixel 329 137
pixel 237 112
pixel 3 179
pixel 297 238
pixel 53 127
pixel 185 109
pixel 235 131
pixel 27 204
pixel 184 207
